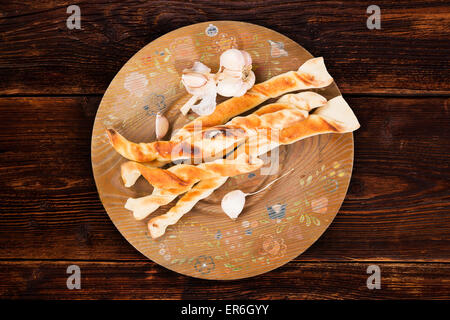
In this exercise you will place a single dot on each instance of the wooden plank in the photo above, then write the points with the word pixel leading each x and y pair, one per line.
pixel 296 280
pixel 409 55
pixel 397 207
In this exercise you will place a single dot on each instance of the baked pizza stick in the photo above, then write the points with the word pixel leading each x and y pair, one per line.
pixel 312 74
pixel 335 117
pixel 289 109
pixel 169 183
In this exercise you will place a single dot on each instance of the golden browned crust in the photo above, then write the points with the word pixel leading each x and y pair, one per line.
pixel 273 107
pixel 312 74
pixel 334 116
pixel 226 110
pixel 214 140
pixel 157 226
pixel 157 150
pixel 182 177
pixel 277 86
pixel 313 125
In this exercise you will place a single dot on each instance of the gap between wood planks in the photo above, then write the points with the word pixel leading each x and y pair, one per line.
pixel 146 261
pixel 412 94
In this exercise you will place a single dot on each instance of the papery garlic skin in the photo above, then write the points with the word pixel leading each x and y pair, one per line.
pixel 199 82
pixel 193 80
pixel 201 68
pixel 207 104
pixel 250 80
pixel 196 78
pixel 233 79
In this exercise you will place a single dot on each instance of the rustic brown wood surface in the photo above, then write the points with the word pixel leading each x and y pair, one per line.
pixel 396 213
pixel 40 55
pixel 295 280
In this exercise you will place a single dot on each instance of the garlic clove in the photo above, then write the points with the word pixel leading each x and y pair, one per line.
pixel 230 86
pixel 206 93
pixel 207 105
pixel 198 67
pixel 233 203
pixel 250 80
pixel 227 73
pixel 232 59
pixel 247 57
pixel 241 91
pixel 161 126
pixel 194 80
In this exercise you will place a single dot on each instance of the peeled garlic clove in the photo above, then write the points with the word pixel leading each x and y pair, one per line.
pixel 230 86
pixel 161 126
pixel 233 59
pixel 233 203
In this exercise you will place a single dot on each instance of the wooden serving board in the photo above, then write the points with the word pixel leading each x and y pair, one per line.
pixel 276 225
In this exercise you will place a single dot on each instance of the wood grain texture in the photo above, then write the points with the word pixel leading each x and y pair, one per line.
pixel 409 55
pixel 296 280
pixel 397 207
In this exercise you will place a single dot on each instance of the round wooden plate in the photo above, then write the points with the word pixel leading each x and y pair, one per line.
pixel 276 225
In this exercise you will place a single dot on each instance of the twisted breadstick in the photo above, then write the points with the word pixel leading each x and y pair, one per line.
pixel 217 140
pixel 312 74
pixel 288 110
pixel 157 226
pixel 336 116
pixel 202 190
pixel 169 183
pixel 142 207
pixel 293 109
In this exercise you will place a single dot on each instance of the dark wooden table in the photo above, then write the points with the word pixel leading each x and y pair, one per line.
pixel 397 211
